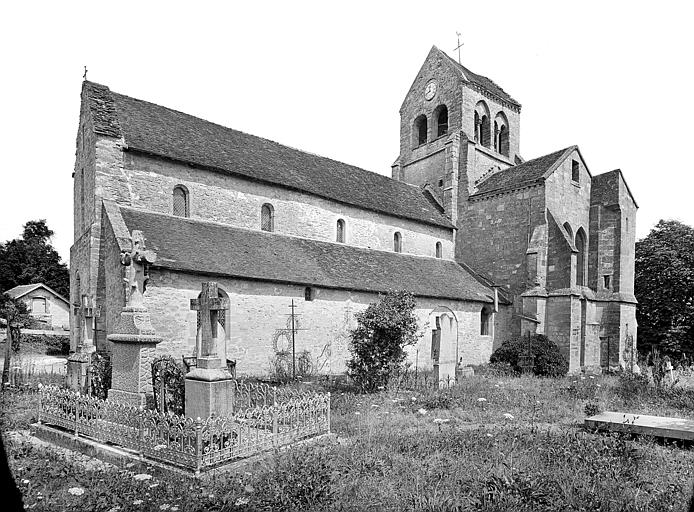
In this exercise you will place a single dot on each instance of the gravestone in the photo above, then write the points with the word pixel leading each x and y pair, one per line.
pixel 79 361
pixel 133 337
pixel 209 385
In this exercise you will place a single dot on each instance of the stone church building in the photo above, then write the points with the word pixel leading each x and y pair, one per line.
pixel 490 244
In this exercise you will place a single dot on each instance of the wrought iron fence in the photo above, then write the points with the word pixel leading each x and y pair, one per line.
pixel 196 445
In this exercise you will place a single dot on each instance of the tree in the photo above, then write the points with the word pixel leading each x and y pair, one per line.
pixel 664 288
pixel 377 344
pixel 32 259
pixel 16 316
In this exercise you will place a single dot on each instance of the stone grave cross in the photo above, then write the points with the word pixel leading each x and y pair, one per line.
pixel 136 261
pixel 87 314
pixel 209 386
pixel 209 305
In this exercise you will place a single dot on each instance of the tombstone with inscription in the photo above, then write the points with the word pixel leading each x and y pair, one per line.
pixel 79 361
pixel 133 337
pixel 209 385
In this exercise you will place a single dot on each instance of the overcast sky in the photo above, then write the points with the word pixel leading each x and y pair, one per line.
pixel 615 78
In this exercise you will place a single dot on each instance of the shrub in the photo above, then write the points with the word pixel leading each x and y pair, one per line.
pixel 548 362
pixel 631 386
pixel 378 343
pixel 591 408
pixel 100 375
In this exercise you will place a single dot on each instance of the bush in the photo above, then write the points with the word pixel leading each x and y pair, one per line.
pixel 378 343
pixel 52 344
pixel 631 386
pixel 100 375
pixel 548 362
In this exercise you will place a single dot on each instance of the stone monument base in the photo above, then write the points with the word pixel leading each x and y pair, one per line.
pixel 209 393
pixel 77 367
pixel 126 397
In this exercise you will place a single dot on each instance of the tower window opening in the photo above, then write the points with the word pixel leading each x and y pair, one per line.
pixel 308 293
pixel 606 282
pixel 439 250
pixel 441 120
pixel 420 130
pixel 575 175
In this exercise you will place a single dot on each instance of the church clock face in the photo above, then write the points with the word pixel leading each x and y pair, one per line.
pixel 430 90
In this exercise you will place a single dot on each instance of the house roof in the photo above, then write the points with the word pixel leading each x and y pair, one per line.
pixel 207 248
pixel 522 175
pixel 156 130
pixel 482 81
pixel 24 289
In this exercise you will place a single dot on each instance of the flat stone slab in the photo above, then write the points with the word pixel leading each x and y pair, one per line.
pixel 658 426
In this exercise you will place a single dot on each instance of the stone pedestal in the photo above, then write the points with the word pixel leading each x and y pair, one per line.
pixel 77 366
pixel 209 389
pixel 134 343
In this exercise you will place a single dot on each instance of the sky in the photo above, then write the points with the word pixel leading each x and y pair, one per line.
pixel 613 77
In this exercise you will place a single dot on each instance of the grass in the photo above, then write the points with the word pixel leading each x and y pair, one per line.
pixel 427 450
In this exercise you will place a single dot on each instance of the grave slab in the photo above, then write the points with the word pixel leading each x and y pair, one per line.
pixel 658 426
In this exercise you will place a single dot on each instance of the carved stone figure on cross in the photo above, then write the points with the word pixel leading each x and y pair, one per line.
pixel 136 261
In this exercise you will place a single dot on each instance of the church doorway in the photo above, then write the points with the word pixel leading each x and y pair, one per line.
pixel 443 343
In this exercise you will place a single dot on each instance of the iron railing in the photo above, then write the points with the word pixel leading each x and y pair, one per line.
pixel 198 444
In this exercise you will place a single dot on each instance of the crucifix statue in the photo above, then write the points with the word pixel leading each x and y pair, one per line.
pixel 136 262
pixel 210 304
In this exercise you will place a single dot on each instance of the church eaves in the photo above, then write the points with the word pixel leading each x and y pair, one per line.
pixel 152 129
pixel 195 246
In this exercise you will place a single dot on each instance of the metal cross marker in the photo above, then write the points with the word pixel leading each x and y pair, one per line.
pixel 209 305
pixel 458 47
pixel 85 73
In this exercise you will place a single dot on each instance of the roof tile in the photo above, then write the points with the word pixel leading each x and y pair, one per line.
pixel 202 247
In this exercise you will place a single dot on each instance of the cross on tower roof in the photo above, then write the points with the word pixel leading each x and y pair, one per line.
pixel 209 305
pixel 458 47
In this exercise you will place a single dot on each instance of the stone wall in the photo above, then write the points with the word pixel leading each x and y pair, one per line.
pixel 494 234
pixel 259 321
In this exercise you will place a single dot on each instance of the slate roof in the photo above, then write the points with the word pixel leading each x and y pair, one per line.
pixel 202 247
pixel 24 289
pixel 482 81
pixel 161 131
pixel 522 175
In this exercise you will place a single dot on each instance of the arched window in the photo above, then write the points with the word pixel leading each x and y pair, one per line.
pixel 397 242
pixel 580 257
pixel 420 130
pixel 501 144
pixel 180 201
pixel 482 124
pixel 439 251
pixel 441 116
pixel 340 230
pixel 485 320
pixel 267 217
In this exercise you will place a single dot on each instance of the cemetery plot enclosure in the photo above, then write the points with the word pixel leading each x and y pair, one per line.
pixel 195 445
